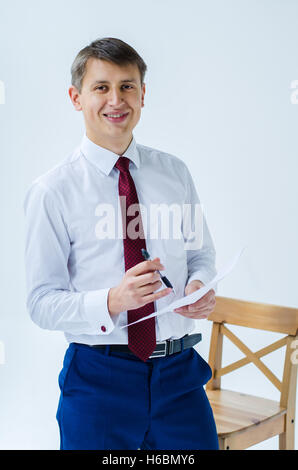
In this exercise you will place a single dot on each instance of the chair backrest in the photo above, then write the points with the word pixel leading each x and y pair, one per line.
pixel 256 315
pixel 263 317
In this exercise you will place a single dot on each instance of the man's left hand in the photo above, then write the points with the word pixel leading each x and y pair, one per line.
pixel 202 307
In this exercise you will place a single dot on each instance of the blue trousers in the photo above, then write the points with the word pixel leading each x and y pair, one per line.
pixel 113 400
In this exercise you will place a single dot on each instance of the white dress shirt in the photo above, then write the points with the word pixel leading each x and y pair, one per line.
pixel 70 269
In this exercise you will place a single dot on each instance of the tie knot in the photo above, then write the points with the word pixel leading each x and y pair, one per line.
pixel 122 163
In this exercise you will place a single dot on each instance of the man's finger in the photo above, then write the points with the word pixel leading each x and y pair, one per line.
pixel 192 307
pixel 181 309
pixel 146 266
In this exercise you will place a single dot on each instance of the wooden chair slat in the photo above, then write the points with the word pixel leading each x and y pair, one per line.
pixel 267 372
pixel 256 315
pixel 244 361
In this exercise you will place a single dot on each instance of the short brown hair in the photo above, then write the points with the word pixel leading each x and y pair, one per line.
pixel 110 49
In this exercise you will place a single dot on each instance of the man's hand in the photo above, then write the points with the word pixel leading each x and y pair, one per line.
pixel 137 287
pixel 202 307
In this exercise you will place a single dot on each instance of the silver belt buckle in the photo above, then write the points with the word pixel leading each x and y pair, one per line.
pixel 171 346
pixel 160 353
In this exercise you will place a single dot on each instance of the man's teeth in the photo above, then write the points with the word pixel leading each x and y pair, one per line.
pixel 115 115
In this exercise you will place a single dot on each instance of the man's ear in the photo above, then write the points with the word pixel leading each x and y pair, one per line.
pixel 75 98
pixel 143 93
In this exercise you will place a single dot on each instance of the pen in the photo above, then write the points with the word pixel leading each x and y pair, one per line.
pixel 163 278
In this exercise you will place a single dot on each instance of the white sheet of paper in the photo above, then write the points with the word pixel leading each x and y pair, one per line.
pixel 198 294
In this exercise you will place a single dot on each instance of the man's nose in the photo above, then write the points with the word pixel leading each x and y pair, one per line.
pixel 114 97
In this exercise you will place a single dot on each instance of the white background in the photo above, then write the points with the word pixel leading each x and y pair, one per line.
pixel 218 96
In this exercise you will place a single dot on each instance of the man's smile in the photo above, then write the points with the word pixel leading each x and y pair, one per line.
pixel 116 117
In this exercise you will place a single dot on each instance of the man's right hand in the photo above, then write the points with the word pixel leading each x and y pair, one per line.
pixel 137 287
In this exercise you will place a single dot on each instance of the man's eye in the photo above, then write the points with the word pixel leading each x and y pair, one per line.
pixel 103 86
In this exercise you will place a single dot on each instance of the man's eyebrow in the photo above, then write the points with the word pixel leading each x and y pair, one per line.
pixel 97 82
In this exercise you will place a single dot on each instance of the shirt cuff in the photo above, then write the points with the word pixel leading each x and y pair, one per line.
pixel 97 313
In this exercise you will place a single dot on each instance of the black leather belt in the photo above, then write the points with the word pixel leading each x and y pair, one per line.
pixel 163 348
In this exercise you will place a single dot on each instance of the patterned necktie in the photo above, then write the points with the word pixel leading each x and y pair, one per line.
pixel 141 336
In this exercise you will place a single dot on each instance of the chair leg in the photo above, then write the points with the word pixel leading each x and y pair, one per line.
pixel 286 440
pixel 222 443
pixel 282 441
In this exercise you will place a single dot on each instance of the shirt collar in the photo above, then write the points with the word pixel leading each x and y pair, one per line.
pixel 105 159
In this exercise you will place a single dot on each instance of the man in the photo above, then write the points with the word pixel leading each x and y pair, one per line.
pixel 122 387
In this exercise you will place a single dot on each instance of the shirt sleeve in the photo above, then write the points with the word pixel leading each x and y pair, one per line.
pixel 51 302
pixel 198 243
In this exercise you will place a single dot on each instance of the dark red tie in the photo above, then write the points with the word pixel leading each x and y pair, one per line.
pixel 141 337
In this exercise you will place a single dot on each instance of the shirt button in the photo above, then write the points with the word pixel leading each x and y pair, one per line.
pixel 103 328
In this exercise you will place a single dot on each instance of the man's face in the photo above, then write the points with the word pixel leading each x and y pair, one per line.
pixel 109 89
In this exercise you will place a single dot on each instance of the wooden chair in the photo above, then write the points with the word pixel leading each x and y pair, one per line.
pixel 244 420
